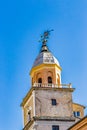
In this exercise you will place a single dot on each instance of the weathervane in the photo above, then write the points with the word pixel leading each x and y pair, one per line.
pixel 45 36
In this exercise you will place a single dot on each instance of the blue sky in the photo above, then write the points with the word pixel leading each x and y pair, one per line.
pixel 21 23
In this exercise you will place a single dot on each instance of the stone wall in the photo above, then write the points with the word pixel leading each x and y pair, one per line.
pixel 44 107
pixel 47 125
pixel 28 107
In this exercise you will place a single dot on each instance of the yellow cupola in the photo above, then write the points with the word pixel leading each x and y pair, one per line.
pixel 46 70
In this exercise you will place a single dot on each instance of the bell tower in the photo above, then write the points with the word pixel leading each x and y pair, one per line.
pixel 46 70
pixel 48 104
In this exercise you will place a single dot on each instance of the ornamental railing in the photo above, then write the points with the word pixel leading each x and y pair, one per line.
pixel 53 85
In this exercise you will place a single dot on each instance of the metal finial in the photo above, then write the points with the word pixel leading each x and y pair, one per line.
pixel 45 36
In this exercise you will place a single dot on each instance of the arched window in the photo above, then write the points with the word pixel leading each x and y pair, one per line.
pixel 49 80
pixel 39 82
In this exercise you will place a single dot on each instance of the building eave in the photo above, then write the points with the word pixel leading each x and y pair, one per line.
pixel 79 105
pixel 44 65
pixel 77 122
pixel 49 118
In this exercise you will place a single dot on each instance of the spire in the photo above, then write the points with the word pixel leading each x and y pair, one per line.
pixel 45 56
pixel 44 40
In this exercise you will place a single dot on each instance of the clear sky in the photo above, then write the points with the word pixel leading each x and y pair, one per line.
pixel 21 23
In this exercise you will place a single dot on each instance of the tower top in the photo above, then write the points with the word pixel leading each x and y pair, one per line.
pixel 44 40
pixel 45 36
pixel 45 56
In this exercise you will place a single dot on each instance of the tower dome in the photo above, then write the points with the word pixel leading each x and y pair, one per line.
pixel 45 57
pixel 46 68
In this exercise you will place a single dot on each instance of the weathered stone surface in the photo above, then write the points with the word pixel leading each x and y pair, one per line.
pixel 44 106
pixel 28 107
pixel 47 125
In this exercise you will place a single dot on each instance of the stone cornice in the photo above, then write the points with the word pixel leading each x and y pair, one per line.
pixel 44 88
